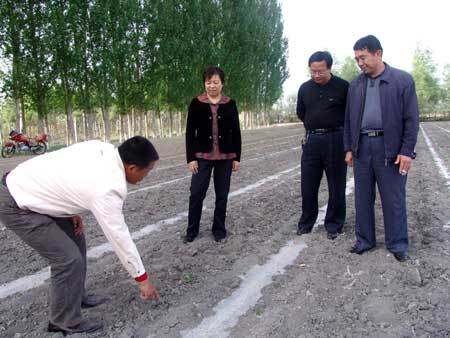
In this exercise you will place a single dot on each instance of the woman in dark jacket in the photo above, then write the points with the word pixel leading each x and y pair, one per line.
pixel 213 142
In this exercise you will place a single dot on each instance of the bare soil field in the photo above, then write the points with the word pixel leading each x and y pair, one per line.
pixel 264 281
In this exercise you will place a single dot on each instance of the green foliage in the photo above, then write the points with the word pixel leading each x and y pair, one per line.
pixel 424 74
pixel 348 70
pixel 146 55
pixel 446 89
pixel 187 277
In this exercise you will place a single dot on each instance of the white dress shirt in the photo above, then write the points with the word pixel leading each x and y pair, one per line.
pixel 87 176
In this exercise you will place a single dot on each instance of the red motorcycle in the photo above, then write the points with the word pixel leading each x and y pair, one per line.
pixel 19 142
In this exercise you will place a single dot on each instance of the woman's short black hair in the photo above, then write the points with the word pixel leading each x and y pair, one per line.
pixel 369 42
pixel 211 71
pixel 138 151
pixel 321 56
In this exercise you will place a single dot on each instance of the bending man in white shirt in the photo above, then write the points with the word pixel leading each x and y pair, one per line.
pixel 41 199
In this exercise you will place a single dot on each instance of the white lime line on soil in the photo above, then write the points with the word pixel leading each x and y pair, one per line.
pixel 34 280
pixel 188 176
pixel 245 145
pixel 159 185
pixel 446 130
pixel 243 160
pixel 228 311
pixel 442 168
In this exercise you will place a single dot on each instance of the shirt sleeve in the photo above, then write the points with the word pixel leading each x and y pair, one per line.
pixel 300 106
pixel 190 132
pixel 107 209
pixel 347 122
pixel 410 120
pixel 237 133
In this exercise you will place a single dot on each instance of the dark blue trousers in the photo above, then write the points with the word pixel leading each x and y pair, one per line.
pixel 372 167
pixel 323 152
pixel 199 187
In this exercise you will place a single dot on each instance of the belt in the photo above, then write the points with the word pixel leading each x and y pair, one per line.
pixel 374 133
pixel 323 130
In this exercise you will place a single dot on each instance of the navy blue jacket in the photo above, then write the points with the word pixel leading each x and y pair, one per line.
pixel 399 108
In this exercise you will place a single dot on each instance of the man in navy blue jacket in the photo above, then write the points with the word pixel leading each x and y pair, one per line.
pixel 380 134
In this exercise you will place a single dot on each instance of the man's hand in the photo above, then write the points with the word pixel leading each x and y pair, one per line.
pixel 148 290
pixel 236 165
pixel 193 167
pixel 77 225
pixel 349 158
pixel 404 164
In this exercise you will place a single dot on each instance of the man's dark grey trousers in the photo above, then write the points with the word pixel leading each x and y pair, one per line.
pixel 371 167
pixel 55 240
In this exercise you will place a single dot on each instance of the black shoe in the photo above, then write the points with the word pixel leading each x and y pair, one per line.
pixel 401 256
pixel 188 238
pixel 92 301
pixel 332 235
pixel 303 231
pixel 220 239
pixel 86 326
pixel 357 250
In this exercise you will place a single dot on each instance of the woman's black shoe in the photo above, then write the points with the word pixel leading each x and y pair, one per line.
pixel 188 239
pixel 303 231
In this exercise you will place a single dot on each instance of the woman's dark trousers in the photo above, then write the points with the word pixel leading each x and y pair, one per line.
pixel 199 186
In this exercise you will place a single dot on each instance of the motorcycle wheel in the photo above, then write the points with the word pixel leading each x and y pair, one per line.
pixel 8 151
pixel 40 148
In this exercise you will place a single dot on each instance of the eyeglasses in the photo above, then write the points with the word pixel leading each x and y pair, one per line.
pixel 318 73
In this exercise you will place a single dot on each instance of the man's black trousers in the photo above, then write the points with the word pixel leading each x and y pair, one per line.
pixel 323 152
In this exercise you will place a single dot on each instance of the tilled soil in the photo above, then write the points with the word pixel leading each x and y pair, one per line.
pixel 326 292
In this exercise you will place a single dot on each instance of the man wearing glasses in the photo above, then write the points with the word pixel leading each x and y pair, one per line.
pixel 321 107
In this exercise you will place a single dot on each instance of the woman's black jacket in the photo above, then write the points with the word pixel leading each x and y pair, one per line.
pixel 199 129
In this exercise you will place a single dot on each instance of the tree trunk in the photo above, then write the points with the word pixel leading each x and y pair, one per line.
pixel 19 115
pixel 75 130
pixel 131 122
pixel 106 124
pixel 160 125
pixel 123 128
pixel 129 133
pixel 180 123
pixel 85 127
pixel 154 125
pixel 170 123
pixel 146 133
pixel 71 133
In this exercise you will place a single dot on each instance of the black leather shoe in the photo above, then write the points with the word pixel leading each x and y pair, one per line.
pixel 86 326
pixel 188 238
pixel 92 301
pixel 220 239
pixel 332 235
pixel 357 250
pixel 303 231
pixel 401 256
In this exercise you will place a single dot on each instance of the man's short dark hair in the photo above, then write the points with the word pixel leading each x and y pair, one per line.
pixel 321 56
pixel 369 42
pixel 138 151
pixel 211 71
